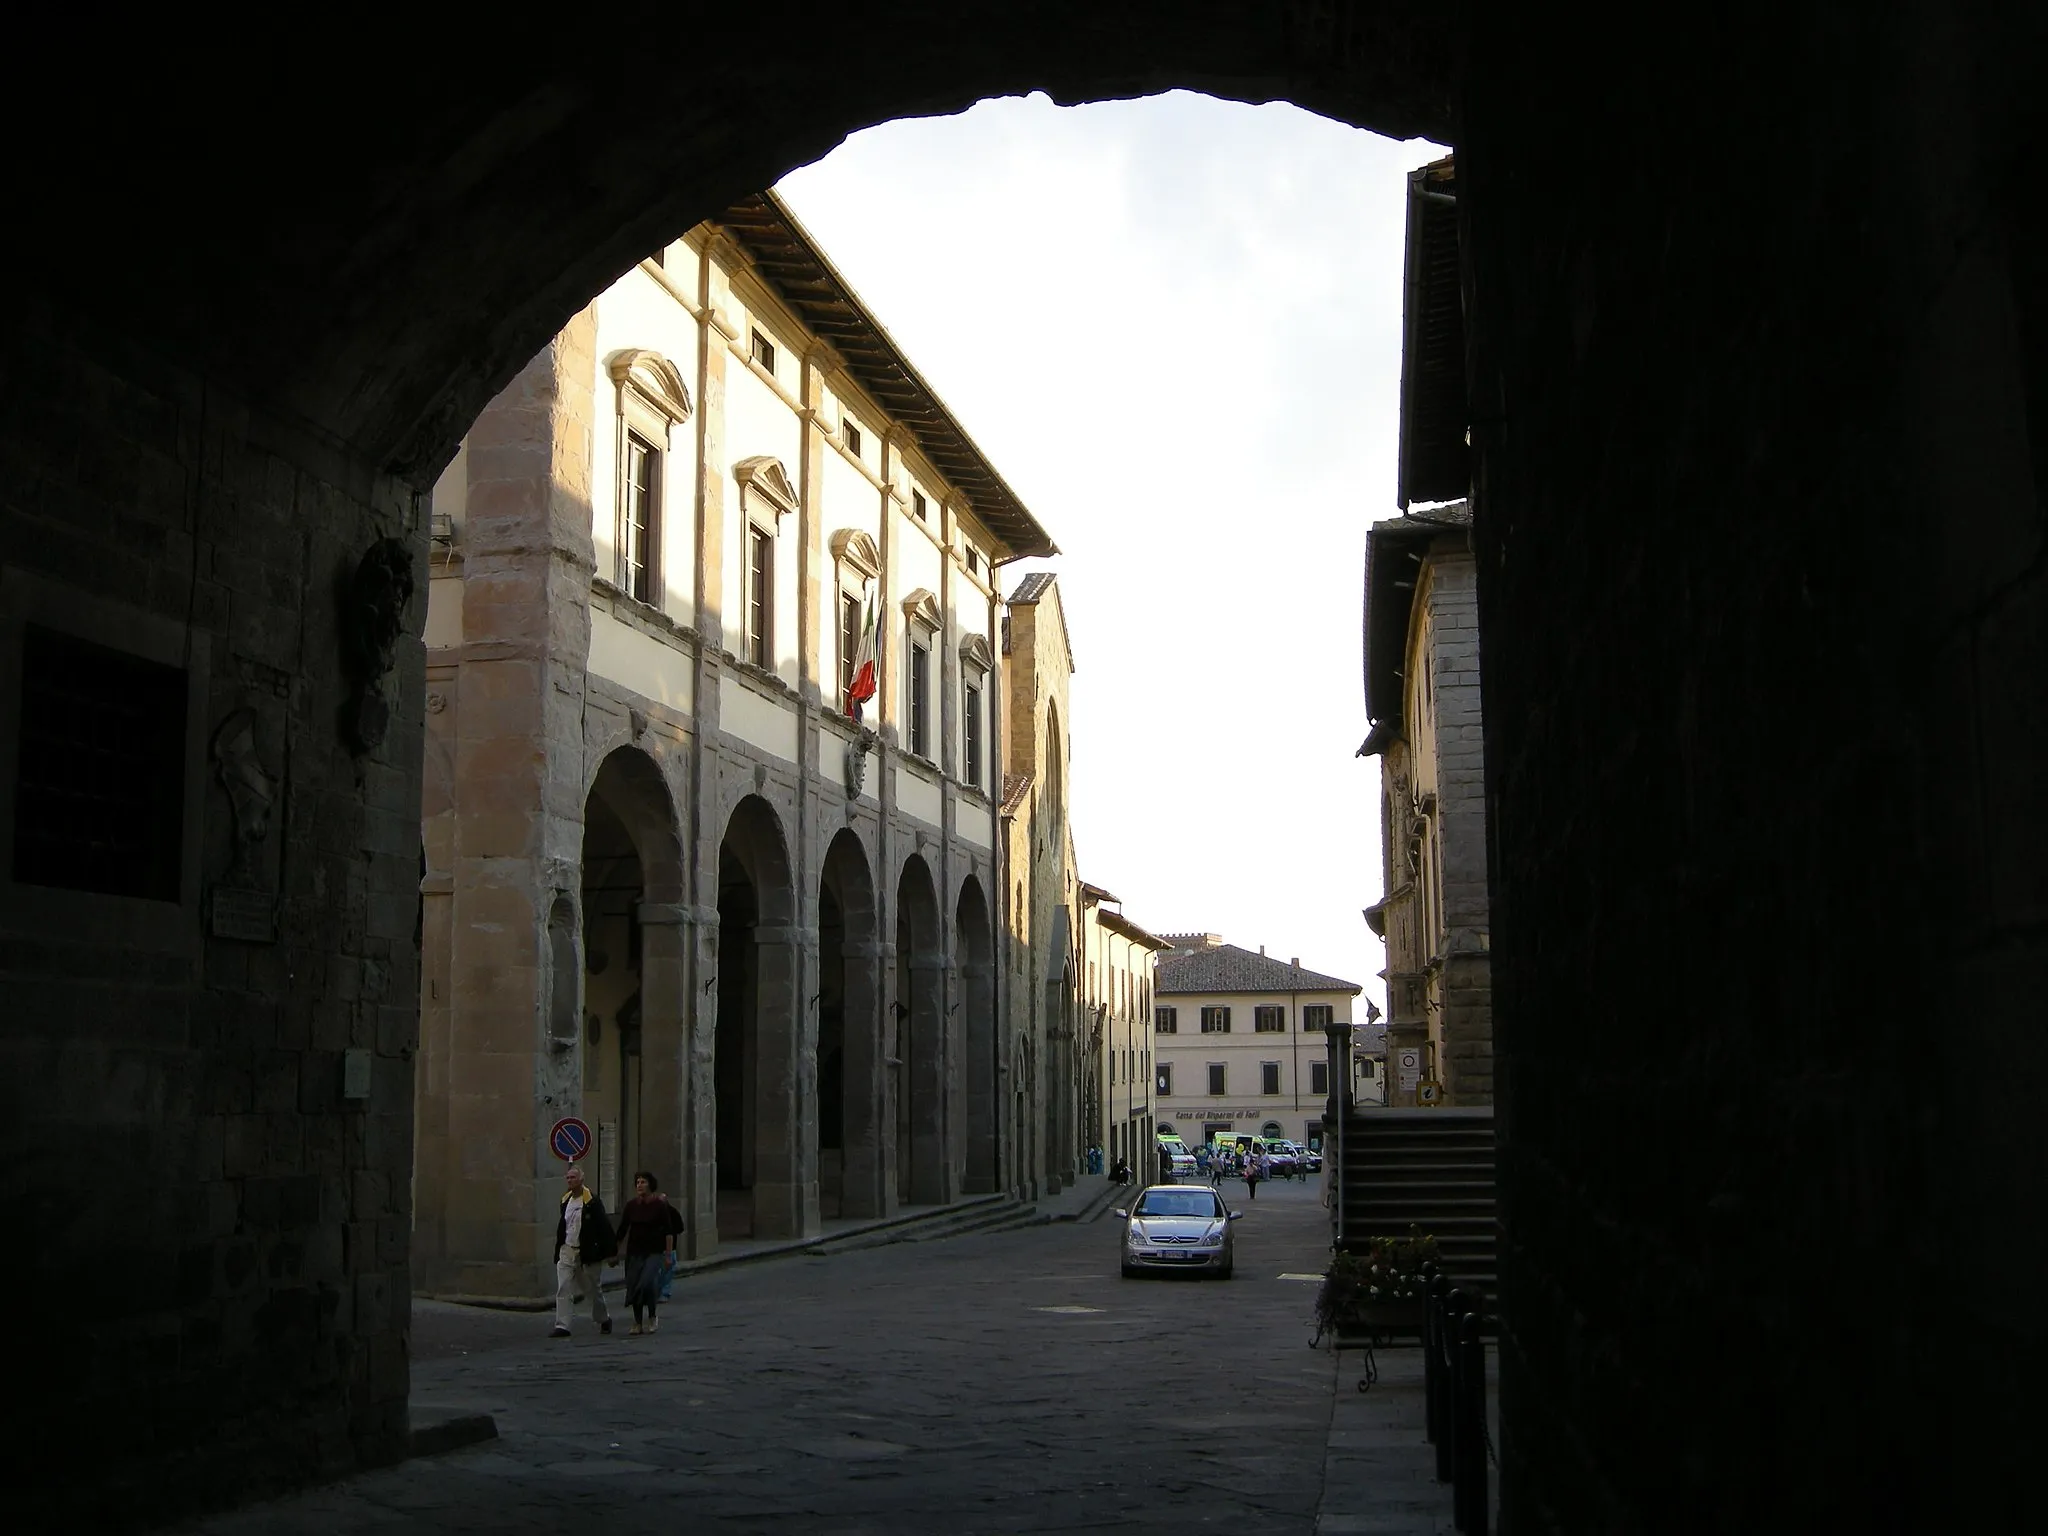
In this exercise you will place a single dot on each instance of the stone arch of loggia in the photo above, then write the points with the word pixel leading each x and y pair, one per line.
pixel 854 1156
pixel 973 1012
pixel 760 1067
pixel 633 1033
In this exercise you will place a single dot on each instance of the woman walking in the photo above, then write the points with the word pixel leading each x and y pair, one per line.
pixel 650 1225
pixel 1254 1170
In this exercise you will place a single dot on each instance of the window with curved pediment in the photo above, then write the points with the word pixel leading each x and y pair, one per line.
pixel 921 626
pixel 857 565
pixel 767 495
pixel 652 400
pixel 766 491
pixel 976 663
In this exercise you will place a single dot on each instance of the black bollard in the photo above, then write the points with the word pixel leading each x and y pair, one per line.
pixel 1433 1288
pixel 1468 1499
pixel 1449 1425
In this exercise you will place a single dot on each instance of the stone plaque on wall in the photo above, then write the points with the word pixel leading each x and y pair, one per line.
pixel 248 917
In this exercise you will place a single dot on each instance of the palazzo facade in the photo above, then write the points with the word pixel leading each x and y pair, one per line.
pixel 685 881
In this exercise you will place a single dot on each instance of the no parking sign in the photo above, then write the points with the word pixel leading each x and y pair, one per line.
pixel 570 1139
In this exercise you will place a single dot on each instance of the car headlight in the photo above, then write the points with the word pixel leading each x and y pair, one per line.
pixel 1213 1238
pixel 1134 1234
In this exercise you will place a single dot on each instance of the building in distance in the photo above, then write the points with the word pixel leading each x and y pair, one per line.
pixel 1238 1041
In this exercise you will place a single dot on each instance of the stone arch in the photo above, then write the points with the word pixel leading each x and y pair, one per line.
pixel 446 297
pixel 762 1084
pixel 852 1149
pixel 919 1057
pixel 630 1041
pixel 974 951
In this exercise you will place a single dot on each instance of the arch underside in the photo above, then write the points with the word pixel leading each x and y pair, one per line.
pixel 1755 360
pixel 472 233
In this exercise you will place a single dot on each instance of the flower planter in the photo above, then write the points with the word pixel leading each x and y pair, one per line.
pixel 1379 1320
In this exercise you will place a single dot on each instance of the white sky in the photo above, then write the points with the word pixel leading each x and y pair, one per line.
pixel 1174 326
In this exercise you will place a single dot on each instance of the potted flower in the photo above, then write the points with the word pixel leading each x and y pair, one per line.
pixel 1377 1290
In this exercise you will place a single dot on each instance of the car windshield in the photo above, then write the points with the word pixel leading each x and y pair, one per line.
pixel 1179 1202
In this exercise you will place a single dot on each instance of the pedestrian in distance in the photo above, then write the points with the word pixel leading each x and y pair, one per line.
pixel 1254 1170
pixel 1165 1166
pixel 649 1225
pixel 584 1242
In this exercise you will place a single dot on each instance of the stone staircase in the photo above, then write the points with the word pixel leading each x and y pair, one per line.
pixel 1427 1168
pixel 991 1213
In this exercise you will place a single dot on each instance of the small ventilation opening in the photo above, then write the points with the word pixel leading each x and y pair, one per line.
pixel 99 799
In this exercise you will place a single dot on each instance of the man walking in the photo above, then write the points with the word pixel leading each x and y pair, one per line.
pixel 583 1241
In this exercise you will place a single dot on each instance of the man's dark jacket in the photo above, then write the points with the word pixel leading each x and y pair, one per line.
pixel 597 1242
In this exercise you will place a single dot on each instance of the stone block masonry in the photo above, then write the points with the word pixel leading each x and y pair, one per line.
pixel 225 1233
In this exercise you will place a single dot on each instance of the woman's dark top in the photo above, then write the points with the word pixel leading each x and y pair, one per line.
pixel 647 1222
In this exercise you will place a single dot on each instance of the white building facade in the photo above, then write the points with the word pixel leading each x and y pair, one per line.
pixel 682 882
pixel 1118 962
pixel 1239 1041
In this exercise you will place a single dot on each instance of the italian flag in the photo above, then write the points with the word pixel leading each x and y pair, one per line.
pixel 863 686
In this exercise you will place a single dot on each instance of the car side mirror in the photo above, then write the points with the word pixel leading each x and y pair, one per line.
pixel 1233 1215
pixel 1126 1215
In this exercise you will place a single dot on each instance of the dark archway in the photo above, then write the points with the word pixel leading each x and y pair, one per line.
pixel 852 1082
pixel 974 949
pixel 632 1039
pixel 761 1079
pixel 1662 329
pixel 920 1054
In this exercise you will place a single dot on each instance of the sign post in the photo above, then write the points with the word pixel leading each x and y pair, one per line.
pixel 570 1139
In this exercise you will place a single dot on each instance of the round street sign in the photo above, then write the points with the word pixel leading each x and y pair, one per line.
pixel 570 1139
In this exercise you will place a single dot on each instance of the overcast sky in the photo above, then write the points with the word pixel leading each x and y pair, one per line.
pixel 1174 326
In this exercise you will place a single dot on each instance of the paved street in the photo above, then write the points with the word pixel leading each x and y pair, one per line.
pixel 1008 1382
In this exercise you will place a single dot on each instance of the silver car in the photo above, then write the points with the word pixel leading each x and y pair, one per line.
pixel 1178 1226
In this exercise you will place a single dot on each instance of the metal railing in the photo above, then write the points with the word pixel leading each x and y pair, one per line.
pixel 1454 1399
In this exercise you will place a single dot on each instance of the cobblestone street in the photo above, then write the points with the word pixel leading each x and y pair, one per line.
pixel 1007 1382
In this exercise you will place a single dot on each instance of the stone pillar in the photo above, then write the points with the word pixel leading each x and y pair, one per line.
pixel 978 1068
pixel 785 1192
pixel 700 1095
pixel 869 1140
pixel 665 1047
pixel 1337 1035
pixel 925 1080
pixel 518 812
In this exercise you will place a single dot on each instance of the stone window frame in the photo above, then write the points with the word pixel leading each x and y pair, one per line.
pixel 1320 1070
pixel 1317 1017
pixel 1216 1018
pixel 920 613
pixel 977 666
pixel 61 915
pixel 856 568
pixel 1166 1020
pixel 1269 1072
pixel 650 400
pixel 1219 1079
pixel 757 585
pixel 767 496
pixel 1269 1019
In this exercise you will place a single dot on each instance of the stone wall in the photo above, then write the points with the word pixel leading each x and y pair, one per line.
pixel 1760 399
pixel 1464 992
pixel 220 1236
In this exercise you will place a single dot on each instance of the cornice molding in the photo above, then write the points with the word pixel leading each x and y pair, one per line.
pixel 764 476
pixel 654 378
pixel 921 607
pixel 856 547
